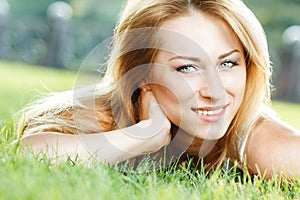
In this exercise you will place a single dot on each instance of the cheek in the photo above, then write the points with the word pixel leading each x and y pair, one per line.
pixel 168 101
pixel 172 93
pixel 235 85
pixel 163 94
pixel 241 87
pixel 170 87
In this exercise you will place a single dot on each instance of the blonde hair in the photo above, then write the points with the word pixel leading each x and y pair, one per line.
pixel 59 113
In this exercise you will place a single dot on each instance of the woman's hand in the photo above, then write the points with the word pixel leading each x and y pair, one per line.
pixel 146 101
pixel 154 122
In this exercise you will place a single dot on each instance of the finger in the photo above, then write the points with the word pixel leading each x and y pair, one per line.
pixel 156 112
pixel 145 101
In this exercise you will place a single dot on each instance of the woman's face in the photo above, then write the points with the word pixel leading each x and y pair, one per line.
pixel 200 74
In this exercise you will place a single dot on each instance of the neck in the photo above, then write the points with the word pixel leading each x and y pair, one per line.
pixel 192 145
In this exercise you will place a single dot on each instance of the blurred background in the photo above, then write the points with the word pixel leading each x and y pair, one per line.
pixel 57 34
pixel 49 34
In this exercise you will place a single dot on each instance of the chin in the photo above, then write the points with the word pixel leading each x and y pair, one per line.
pixel 209 134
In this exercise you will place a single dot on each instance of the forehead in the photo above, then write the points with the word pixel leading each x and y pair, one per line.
pixel 207 32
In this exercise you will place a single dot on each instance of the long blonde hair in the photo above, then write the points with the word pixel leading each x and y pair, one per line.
pixel 59 113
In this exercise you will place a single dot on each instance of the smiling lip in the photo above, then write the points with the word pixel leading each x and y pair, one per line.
pixel 210 114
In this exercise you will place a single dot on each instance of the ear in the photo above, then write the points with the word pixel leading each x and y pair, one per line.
pixel 145 87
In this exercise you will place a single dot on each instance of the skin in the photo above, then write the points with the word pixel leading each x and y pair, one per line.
pixel 273 148
pixel 206 78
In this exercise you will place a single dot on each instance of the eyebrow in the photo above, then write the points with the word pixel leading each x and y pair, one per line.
pixel 199 60
pixel 229 53
pixel 195 59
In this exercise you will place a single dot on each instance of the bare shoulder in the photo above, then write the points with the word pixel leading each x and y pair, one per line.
pixel 274 127
pixel 273 144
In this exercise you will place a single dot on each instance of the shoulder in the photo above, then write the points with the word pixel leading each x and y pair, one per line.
pixel 269 143
pixel 273 128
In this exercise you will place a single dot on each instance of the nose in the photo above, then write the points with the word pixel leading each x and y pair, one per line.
pixel 211 86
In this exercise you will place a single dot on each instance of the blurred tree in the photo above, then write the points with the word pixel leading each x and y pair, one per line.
pixel 30 7
pixel 97 9
pixel 93 20
pixel 276 16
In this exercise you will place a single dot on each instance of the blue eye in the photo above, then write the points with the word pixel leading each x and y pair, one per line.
pixel 228 64
pixel 187 69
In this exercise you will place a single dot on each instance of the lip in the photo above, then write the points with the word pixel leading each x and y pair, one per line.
pixel 210 113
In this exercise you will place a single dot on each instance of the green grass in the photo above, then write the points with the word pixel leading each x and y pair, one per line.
pixel 29 177
pixel 21 84
pixel 288 112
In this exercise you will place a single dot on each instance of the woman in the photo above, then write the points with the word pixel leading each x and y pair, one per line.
pixel 191 75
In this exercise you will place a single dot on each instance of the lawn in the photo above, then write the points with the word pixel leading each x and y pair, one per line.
pixel 29 177
pixel 21 84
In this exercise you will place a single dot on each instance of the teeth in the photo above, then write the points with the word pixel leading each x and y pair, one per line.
pixel 210 112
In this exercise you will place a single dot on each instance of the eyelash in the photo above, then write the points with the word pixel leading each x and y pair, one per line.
pixel 233 63
pixel 181 68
